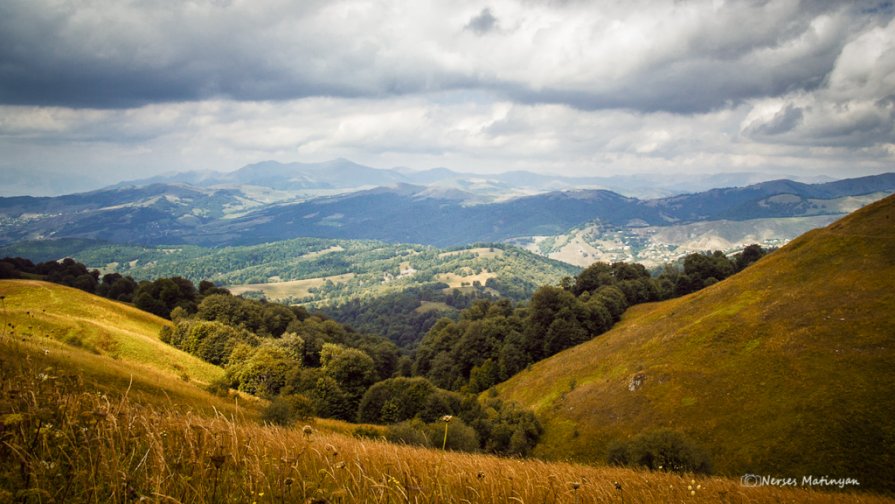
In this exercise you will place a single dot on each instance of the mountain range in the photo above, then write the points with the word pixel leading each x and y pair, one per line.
pixel 257 207
pixel 345 175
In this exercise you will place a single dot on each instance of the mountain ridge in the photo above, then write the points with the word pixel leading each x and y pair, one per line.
pixel 400 212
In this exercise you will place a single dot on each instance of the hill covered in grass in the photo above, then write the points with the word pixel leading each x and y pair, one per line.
pixel 65 442
pixel 783 369
pixel 47 314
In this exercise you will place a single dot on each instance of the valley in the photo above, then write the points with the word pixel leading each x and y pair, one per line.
pixel 518 314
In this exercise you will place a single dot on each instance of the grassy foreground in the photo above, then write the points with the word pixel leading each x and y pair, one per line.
pixel 62 440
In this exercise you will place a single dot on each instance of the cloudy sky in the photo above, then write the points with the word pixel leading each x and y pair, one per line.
pixel 96 91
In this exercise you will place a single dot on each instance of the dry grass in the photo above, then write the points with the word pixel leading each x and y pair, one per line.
pixel 291 288
pixel 46 312
pixel 64 442
pixel 454 280
pixel 783 369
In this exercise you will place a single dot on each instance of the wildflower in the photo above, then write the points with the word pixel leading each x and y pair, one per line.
pixel 288 481
pixel 307 430
pixel 480 475
pixel 575 485
pixel 618 486
pixel 447 418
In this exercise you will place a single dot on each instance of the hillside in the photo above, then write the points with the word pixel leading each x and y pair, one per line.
pixel 783 369
pixel 85 434
pixel 317 271
pixel 49 314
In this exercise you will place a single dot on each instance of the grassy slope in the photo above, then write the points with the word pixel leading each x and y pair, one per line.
pixel 785 368
pixel 41 311
pixel 62 442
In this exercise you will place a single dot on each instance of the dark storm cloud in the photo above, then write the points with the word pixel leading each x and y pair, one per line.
pixel 682 59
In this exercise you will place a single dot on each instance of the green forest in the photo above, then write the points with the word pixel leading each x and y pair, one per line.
pixel 406 368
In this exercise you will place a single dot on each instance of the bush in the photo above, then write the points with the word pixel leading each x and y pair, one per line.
pixel 367 432
pixel 286 410
pixel 219 387
pixel 410 432
pixel 664 450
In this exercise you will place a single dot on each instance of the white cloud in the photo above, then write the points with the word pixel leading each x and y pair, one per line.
pixel 572 87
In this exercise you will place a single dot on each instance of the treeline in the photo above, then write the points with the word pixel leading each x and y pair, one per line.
pixel 404 317
pixel 158 297
pixel 493 340
pixel 309 365
pixel 72 274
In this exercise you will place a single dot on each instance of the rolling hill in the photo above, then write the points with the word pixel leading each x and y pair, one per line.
pixel 784 369
pixel 79 426
pixel 58 317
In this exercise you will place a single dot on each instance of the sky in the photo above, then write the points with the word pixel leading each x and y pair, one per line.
pixel 93 92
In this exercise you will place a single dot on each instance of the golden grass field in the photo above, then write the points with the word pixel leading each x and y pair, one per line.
pixel 65 442
pixel 784 369
pixel 47 312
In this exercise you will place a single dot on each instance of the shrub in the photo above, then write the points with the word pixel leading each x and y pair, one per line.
pixel 664 450
pixel 410 432
pixel 219 387
pixel 286 410
pixel 460 437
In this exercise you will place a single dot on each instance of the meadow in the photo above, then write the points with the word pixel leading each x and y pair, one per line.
pixel 65 440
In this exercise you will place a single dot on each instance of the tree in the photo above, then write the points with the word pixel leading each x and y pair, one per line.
pixel 264 373
pixel 351 368
pixel 276 318
pixel 749 255
pixel 163 295
pixel 483 377
pixel 395 400
pixel 232 310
